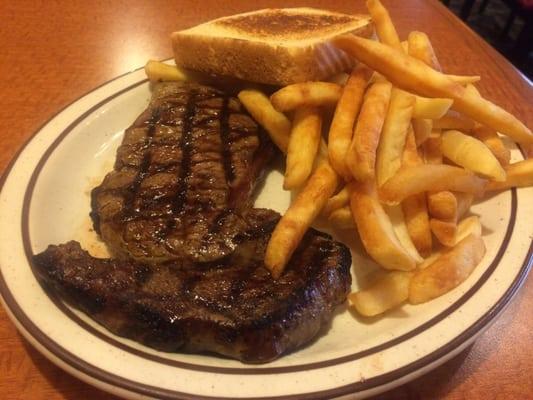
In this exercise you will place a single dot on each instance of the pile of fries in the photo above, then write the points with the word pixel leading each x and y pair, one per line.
pixel 408 150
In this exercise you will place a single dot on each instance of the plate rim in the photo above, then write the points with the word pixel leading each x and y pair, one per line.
pixel 474 329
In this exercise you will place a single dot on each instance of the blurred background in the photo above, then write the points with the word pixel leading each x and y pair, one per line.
pixel 506 24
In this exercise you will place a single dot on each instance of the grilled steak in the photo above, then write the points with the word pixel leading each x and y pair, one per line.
pixel 232 307
pixel 177 210
pixel 183 177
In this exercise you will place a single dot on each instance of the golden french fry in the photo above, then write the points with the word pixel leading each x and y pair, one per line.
pixel 468 226
pixel 397 219
pixel 375 228
pixel 422 129
pixel 420 48
pixel 442 205
pixel 472 90
pixel 361 155
pixel 303 146
pixel 341 199
pixel 493 142
pixel 472 154
pixel 410 154
pixel 340 79
pixel 388 291
pixel 341 129
pixel 429 177
pixel 519 174
pixel 275 123
pixel 448 271
pixel 393 135
pixel 444 231
pixel 405 47
pixel 413 75
pixel 448 208
pixel 464 201
pixel 429 260
pixel 417 221
pixel 342 218
pixel 158 71
pixel 454 120
pixel 464 79
pixel 432 151
pixel 297 219
pixel 405 72
pixel 306 94
pixel 471 104
pixel 431 108
pixel 414 207
pixel 383 24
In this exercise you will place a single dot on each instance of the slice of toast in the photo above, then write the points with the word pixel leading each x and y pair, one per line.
pixel 272 46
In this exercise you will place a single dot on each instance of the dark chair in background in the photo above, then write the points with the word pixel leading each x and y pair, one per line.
pixel 523 9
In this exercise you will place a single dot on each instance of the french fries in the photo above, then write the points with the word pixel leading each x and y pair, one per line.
pixel 420 48
pixel 454 120
pixel 157 71
pixel 297 219
pixel 471 153
pixel 468 226
pixel 392 141
pixel 342 218
pixel 303 146
pixel 422 129
pixel 487 113
pixel 275 123
pixel 444 231
pixel 383 24
pixel 306 94
pixel 417 222
pixel 375 228
pixel 464 80
pixel 431 108
pixel 341 129
pixel 388 291
pixel 397 219
pixel 432 151
pixel 442 205
pixel 464 201
pixel 413 75
pixel 361 155
pixel 493 141
pixel 429 177
pixel 447 208
pixel 399 123
pixel 414 207
pixel 403 71
pixel 519 174
pixel 448 271
pixel 341 199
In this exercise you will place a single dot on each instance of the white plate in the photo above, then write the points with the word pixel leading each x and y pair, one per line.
pixel 45 199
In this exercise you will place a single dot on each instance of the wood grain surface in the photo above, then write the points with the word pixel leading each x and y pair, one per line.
pixel 52 52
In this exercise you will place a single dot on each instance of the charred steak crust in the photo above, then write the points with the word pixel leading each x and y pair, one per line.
pixel 183 176
pixel 232 307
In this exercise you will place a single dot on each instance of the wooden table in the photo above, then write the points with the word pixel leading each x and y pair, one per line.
pixel 53 52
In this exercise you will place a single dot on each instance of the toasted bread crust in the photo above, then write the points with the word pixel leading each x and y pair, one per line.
pixel 272 46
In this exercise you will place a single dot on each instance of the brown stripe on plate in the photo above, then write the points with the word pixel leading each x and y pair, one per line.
pixel 118 381
pixel 115 380
pixel 247 370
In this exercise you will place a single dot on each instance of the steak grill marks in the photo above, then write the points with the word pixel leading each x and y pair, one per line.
pixel 179 200
pixel 129 211
pixel 196 156
pixel 177 206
